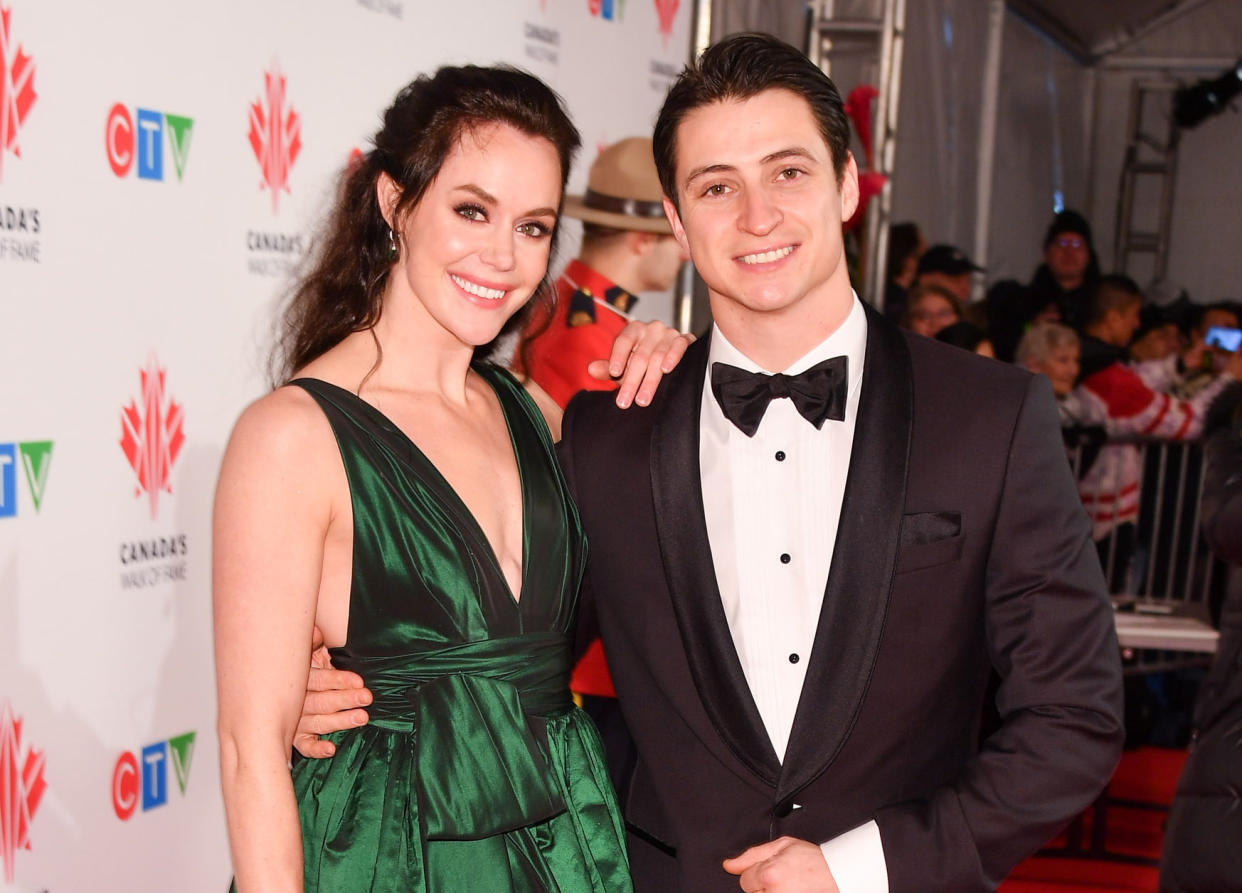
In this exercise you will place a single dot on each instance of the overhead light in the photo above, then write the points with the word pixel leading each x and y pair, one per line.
pixel 1195 104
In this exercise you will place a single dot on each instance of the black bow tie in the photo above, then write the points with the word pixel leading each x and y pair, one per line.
pixel 817 393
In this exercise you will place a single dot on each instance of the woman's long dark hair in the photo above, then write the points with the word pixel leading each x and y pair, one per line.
pixel 343 292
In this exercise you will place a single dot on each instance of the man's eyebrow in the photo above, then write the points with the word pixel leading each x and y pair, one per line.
pixel 707 169
pixel 791 152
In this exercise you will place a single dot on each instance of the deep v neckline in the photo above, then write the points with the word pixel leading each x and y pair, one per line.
pixel 454 499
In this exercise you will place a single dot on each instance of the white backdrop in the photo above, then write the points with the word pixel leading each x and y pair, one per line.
pixel 143 248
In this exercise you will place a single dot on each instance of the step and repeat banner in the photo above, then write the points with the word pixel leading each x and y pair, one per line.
pixel 163 167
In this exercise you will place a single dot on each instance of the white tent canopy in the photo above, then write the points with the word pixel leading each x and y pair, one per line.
pixel 1058 135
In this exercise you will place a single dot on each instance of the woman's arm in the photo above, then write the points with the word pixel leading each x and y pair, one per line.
pixel 271 517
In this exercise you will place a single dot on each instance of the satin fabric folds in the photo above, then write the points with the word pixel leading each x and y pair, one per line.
pixel 476 772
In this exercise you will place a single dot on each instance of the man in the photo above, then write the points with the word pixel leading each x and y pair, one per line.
pixel 1070 271
pixel 774 713
pixel 949 268
pixel 763 703
pixel 627 247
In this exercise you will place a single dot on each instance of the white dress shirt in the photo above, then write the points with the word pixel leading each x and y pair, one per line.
pixel 772 504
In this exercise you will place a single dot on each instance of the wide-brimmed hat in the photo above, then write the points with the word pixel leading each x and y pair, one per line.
pixel 623 190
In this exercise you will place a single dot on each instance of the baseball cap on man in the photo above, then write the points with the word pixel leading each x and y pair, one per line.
pixel 947 259
pixel 623 190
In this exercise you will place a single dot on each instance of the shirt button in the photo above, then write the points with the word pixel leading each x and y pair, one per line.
pixel 793 658
pixel 780 455
pixel 786 558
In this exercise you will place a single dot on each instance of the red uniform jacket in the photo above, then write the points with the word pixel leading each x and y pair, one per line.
pixel 588 316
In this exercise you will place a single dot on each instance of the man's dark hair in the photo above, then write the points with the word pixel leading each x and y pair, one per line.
pixel 735 69
pixel 1200 312
pixel 1115 292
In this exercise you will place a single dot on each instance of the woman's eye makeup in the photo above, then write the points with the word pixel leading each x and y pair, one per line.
pixel 471 211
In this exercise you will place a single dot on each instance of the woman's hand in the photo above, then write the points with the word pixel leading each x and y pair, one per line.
pixel 641 355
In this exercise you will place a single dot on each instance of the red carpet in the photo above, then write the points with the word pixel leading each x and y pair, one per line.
pixel 1124 859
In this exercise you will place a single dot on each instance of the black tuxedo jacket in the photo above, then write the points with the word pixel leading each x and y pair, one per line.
pixel 963 549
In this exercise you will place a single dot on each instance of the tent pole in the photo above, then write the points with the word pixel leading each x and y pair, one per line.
pixel 683 301
pixel 987 140
pixel 1091 116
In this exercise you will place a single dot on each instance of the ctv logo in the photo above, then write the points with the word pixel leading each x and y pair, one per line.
pixel 140 137
pixel 35 458
pixel 145 779
pixel 607 9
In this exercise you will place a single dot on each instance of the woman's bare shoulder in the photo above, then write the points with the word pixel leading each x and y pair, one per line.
pixel 285 425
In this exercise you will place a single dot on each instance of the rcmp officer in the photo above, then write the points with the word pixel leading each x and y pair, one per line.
pixel 627 247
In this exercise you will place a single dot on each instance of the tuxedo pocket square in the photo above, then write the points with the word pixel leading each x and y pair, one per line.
pixel 929 539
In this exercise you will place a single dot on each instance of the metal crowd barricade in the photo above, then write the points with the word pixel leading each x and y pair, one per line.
pixel 1162 577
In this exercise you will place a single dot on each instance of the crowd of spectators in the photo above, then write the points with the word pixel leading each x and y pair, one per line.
pixel 1122 366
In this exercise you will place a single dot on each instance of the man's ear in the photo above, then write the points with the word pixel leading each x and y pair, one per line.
pixel 387 193
pixel 848 187
pixel 640 242
pixel 674 220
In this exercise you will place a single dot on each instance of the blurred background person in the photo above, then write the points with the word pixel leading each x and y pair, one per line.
pixel 1201 852
pixel 1070 271
pixel 931 308
pixel 1011 308
pixel 905 247
pixel 967 336
pixel 1112 394
pixel 627 248
pixel 1051 349
pixel 948 267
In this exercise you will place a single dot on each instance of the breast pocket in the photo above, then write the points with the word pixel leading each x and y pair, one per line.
pixel 929 539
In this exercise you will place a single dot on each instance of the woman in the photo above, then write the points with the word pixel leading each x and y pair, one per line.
pixel 930 309
pixel 1053 350
pixel 403 497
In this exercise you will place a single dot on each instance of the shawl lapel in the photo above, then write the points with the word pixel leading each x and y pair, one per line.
pixel 856 599
pixel 687 557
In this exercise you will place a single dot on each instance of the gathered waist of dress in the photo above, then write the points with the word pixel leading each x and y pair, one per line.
pixel 536 665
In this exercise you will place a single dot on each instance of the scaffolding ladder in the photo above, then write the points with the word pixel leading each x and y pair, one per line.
pixel 1150 164
pixel 868 50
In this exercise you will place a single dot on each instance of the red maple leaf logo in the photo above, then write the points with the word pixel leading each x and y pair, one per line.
pixel 17 93
pixel 152 437
pixel 275 135
pixel 21 789
pixel 667 11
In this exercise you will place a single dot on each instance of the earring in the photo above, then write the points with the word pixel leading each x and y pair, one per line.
pixel 393 251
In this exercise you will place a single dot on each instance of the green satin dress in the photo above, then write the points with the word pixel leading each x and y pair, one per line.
pixel 476 773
